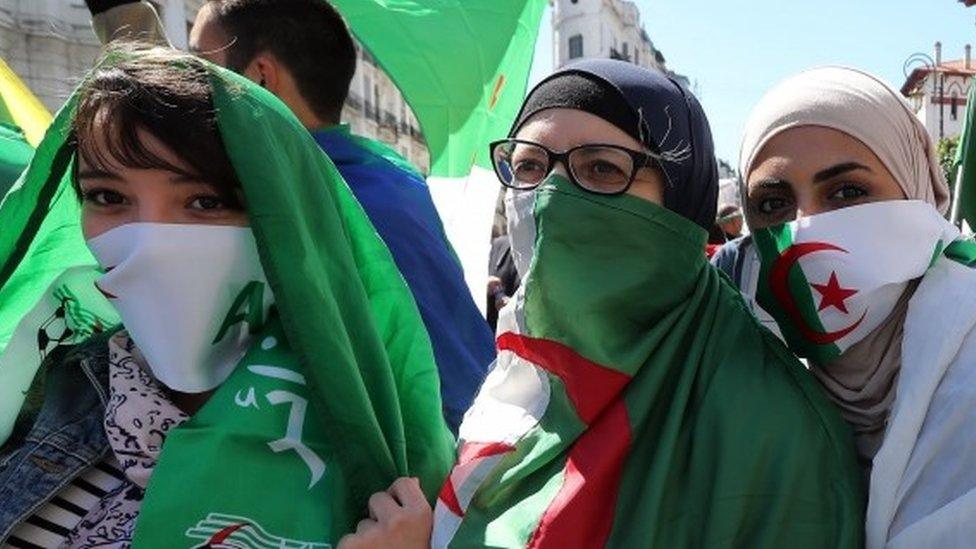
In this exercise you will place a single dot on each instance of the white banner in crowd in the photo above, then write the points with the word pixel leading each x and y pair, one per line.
pixel 467 209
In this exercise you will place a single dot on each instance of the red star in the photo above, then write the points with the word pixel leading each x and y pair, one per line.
pixel 832 295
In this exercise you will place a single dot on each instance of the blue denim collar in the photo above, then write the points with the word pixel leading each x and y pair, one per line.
pixel 67 436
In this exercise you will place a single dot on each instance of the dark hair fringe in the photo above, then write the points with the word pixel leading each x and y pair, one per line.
pixel 136 89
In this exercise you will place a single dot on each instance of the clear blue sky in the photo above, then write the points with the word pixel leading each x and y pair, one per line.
pixel 734 53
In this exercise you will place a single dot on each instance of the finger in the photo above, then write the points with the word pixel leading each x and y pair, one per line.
pixel 349 541
pixel 407 492
pixel 365 526
pixel 382 506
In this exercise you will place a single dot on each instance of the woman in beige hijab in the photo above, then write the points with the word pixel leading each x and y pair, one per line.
pixel 866 279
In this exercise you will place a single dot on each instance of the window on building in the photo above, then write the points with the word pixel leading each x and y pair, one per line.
pixel 368 95
pixel 626 51
pixel 376 102
pixel 954 106
pixel 576 46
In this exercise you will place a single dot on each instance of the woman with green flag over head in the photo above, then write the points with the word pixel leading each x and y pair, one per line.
pixel 865 278
pixel 205 342
pixel 635 401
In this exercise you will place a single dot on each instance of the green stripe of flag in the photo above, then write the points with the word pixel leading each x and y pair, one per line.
pixel 462 65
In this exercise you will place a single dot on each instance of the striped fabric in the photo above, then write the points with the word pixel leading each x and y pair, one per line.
pixel 51 524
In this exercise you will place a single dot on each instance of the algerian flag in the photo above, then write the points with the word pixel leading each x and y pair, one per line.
pixel 832 278
pixel 19 107
pixel 462 65
pixel 338 396
pixel 964 168
pixel 636 403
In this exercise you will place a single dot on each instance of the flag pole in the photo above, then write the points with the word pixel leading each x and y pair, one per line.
pixel 954 216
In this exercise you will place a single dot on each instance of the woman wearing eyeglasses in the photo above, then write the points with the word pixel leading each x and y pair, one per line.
pixel 635 402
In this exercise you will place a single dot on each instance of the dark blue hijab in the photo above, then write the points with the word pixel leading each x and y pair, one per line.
pixel 654 109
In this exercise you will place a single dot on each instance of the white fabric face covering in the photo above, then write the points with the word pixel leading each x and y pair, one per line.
pixel 190 296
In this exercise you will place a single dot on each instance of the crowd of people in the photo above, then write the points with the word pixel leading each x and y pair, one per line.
pixel 269 341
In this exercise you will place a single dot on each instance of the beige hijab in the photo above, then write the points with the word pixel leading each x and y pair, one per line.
pixel 862 106
pixel 862 381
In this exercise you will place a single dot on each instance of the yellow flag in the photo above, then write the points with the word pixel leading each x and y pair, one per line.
pixel 20 107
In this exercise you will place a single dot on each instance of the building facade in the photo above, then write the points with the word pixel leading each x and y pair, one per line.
pixel 938 92
pixel 601 29
pixel 50 45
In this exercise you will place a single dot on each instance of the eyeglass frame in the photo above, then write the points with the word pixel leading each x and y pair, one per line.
pixel 640 160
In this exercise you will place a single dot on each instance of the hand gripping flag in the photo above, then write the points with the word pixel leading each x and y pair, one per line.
pixel 337 397
pixel 636 403
pixel 462 65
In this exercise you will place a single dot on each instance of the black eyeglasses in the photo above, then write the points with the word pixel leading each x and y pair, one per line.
pixel 597 168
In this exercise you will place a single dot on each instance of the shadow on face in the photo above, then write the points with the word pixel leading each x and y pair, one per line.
pixel 810 170
pixel 563 129
pixel 114 194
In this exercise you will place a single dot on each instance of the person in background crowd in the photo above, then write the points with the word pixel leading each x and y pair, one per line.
pixel 195 191
pixel 635 402
pixel 727 227
pixel 301 51
pixel 503 279
pixel 868 281
pixel 729 219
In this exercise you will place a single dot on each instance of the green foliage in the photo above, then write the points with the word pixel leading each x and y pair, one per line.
pixel 946 151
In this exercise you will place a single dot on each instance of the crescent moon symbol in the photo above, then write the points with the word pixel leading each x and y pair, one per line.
pixel 780 287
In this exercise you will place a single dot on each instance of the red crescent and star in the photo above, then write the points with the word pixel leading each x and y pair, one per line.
pixel 832 294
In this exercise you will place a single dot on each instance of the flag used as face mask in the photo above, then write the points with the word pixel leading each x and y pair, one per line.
pixel 830 279
pixel 190 296
pixel 631 398
pixel 337 395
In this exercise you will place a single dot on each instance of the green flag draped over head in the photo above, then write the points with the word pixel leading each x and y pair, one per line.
pixel 964 169
pixel 344 378
pixel 461 64
pixel 637 403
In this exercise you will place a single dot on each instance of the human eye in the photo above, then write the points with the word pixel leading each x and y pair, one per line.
pixel 604 168
pixel 208 203
pixel 103 197
pixel 528 167
pixel 849 192
pixel 771 205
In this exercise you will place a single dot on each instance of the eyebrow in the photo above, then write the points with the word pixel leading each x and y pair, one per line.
pixel 771 183
pixel 98 174
pixel 839 169
pixel 94 173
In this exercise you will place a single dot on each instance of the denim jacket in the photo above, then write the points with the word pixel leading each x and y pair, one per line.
pixel 53 444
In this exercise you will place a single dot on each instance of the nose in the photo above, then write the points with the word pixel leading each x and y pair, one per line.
pixel 559 168
pixel 808 206
pixel 156 211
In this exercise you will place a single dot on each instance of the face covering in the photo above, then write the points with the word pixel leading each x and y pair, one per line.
pixel 831 279
pixel 190 296
pixel 599 266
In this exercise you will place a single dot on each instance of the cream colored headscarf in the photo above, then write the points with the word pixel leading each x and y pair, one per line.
pixel 862 106
pixel 862 381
